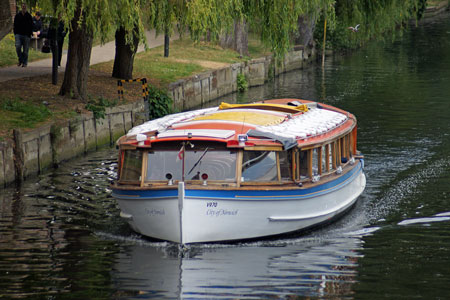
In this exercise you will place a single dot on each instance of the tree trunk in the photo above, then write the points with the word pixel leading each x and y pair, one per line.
pixel 305 31
pixel 241 37
pixel 125 53
pixel 238 40
pixel 78 59
pixel 226 40
pixel 166 44
pixel 7 13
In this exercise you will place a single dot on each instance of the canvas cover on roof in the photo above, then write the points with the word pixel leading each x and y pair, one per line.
pixel 249 117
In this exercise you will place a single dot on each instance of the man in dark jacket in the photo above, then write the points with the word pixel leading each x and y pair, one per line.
pixel 37 24
pixel 23 29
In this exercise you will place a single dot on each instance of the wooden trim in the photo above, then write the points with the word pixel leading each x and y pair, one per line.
pixel 261 183
pixel 263 148
pixel 127 147
pixel 295 165
pixel 354 134
pixel 338 152
pixel 348 146
pixel 327 158
pixel 120 164
pixel 345 140
pixel 246 186
pixel 299 165
pixel 239 156
pixel 277 155
pixel 319 160
pixel 144 167
pixel 130 182
pixel 352 142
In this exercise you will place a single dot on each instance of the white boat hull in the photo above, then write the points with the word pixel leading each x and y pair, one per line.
pixel 210 216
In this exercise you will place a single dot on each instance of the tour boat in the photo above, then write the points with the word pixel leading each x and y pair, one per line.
pixel 239 171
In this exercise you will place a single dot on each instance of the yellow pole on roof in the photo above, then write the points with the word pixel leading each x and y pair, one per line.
pixel 324 41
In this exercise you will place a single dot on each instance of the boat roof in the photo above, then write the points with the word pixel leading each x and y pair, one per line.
pixel 273 123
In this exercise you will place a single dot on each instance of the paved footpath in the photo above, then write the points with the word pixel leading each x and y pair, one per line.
pixel 102 53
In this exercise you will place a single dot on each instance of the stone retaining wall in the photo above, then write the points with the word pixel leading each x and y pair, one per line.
pixel 199 89
pixel 437 9
pixel 33 151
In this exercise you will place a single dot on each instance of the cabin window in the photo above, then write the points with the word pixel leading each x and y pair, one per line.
pixel 285 166
pixel 325 167
pixel 259 166
pixel 323 159
pixel 218 165
pixel 160 163
pixel 303 164
pixel 132 166
pixel 315 162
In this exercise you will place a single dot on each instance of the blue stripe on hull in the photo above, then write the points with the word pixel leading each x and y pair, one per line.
pixel 239 194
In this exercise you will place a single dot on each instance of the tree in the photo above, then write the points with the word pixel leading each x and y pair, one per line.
pixel 78 56
pixel 128 35
pixel 235 33
pixel 376 18
pixel 125 53
pixel 86 18
pixel 305 34
pixel 276 21
pixel 167 14
pixel 6 14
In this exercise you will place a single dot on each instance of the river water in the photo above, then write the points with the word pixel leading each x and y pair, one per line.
pixel 61 236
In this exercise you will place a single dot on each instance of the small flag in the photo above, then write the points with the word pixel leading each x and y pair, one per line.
pixel 180 155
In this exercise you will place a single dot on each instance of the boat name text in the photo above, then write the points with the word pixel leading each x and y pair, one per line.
pixel 155 211
pixel 221 212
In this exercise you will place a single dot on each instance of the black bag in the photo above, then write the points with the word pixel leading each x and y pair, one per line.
pixel 46 46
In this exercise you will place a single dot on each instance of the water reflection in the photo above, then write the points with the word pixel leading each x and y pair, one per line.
pixel 277 270
pixel 45 242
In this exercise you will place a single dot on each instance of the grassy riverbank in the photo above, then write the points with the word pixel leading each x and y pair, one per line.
pixel 31 102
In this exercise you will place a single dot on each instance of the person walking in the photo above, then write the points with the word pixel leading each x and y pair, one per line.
pixel 23 29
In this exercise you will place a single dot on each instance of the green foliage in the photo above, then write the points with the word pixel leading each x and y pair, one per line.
pixel 24 114
pixel 55 132
pixel 166 14
pixel 208 18
pixel 242 84
pixel 98 107
pixel 277 20
pixel 159 103
pixel 375 19
pixel 274 20
pixel 99 17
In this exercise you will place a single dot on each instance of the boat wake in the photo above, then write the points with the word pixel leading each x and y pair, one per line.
pixel 441 217
pixel 133 239
pixel 381 207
